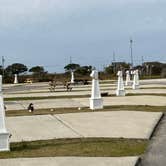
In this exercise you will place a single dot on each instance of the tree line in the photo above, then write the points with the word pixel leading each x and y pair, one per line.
pixel 38 73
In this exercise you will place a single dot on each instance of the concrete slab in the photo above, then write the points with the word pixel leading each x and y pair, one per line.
pixel 126 124
pixel 71 161
pixel 116 124
pixel 29 128
pixel 82 91
pixel 128 100
pixel 84 102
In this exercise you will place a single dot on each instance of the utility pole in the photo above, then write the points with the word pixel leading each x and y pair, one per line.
pixel 131 52
pixel 3 66
pixel 70 60
pixel 142 59
pixel 114 62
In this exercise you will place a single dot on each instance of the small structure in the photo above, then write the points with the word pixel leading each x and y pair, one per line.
pixel 127 82
pixel 135 80
pixel 4 135
pixel 15 79
pixel 120 87
pixel 96 101
pixel 72 77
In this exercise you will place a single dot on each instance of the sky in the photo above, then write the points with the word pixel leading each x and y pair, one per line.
pixel 49 32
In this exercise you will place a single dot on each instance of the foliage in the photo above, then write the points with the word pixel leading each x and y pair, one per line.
pixel 163 73
pixel 109 69
pixel 16 68
pixel 37 69
pixel 39 74
pixel 84 70
pixel 71 66
pixel 1 70
pixel 153 68
pixel 114 67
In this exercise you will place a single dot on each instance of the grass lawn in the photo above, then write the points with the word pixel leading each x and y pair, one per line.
pixel 96 147
pixel 77 96
pixel 146 108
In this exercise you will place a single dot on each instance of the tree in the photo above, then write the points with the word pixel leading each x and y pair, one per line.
pixel 71 66
pixel 1 70
pixel 84 70
pixel 16 68
pixel 153 68
pixel 37 69
pixel 38 73
pixel 109 69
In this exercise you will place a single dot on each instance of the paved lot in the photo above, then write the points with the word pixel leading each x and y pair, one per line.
pixel 84 102
pixel 116 124
pixel 71 161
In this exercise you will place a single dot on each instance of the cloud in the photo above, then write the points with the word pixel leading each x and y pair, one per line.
pixel 82 28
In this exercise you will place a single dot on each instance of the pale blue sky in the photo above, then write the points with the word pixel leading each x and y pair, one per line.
pixel 48 32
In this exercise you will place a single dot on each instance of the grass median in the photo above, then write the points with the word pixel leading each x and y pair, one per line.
pixel 91 147
pixel 146 108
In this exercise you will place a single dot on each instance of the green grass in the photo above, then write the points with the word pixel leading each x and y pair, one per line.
pixel 77 96
pixel 153 87
pixel 45 97
pixel 146 94
pixel 145 108
pixel 96 147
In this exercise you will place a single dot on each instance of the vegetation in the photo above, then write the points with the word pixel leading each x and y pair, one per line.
pixel 71 66
pixel 38 73
pixel 146 108
pixel 37 69
pixel 77 96
pixel 16 68
pixel 147 70
pixel 91 147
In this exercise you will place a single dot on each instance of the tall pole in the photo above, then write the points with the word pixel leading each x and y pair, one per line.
pixel 114 62
pixel 142 60
pixel 3 66
pixel 70 60
pixel 131 52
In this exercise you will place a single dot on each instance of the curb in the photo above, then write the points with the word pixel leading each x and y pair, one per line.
pixel 138 163
pixel 156 126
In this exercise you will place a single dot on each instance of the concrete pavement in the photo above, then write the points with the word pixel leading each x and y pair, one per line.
pixel 71 161
pixel 118 124
pixel 84 102
pixel 83 93
pixel 44 87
